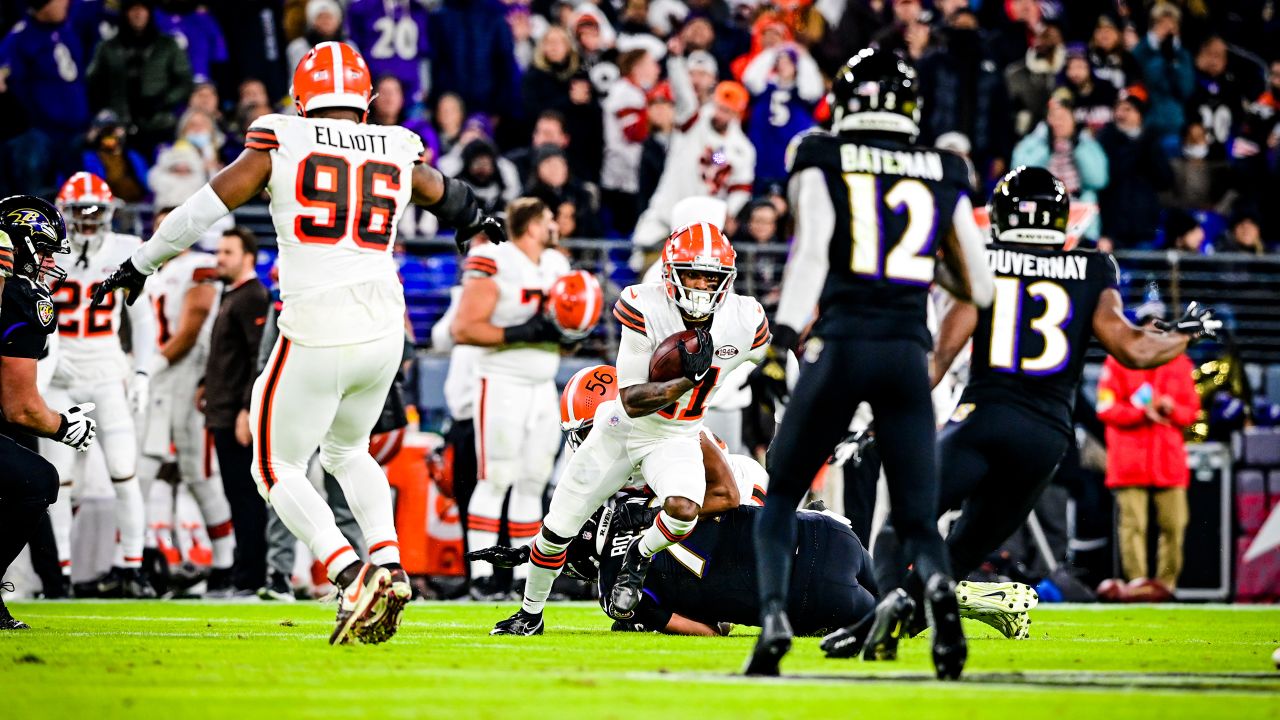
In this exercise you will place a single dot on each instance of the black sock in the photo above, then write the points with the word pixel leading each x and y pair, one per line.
pixel 393 566
pixel 349 574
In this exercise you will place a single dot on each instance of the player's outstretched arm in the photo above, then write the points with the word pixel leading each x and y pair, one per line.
pixel 954 331
pixel 963 270
pixel 1133 346
pixel 455 204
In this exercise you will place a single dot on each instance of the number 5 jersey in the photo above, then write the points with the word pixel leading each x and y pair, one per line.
pixel 337 189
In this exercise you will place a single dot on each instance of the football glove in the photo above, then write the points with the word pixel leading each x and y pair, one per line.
pixel 127 278
pixel 769 378
pixel 491 226
pixel 633 515
pixel 503 557
pixel 697 365
pixel 77 429
pixel 538 329
pixel 1198 322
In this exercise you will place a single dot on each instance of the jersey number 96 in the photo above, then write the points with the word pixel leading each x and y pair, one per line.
pixel 325 183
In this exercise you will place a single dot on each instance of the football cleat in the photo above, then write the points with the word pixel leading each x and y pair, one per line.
pixel 891 618
pixel 521 623
pixel 398 594
pixel 361 603
pixel 943 611
pixel 995 597
pixel 629 588
pixel 774 643
pixel 1014 626
pixel 7 621
pixel 277 588
pixel 125 583
pixel 847 642
pixel 219 585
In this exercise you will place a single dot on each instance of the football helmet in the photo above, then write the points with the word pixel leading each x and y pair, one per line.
pixel 332 75
pixel 87 203
pixel 698 248
pixel 1029 205
pixel 876 91
pixel 582 557
pixel 574 303
pixel 586 391
pixel 38 232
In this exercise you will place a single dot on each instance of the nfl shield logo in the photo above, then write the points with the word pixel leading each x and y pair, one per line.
pixel 44 311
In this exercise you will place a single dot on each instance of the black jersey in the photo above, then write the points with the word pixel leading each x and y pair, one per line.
pixel 1029 346
pixel 892 202
pixel 27 317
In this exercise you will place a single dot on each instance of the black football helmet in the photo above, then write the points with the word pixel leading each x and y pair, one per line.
pixel 38 233
pixel 1029 205
pixel 582 557
pixel 876 91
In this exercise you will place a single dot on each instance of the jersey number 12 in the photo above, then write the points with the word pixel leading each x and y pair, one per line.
pixel 911 259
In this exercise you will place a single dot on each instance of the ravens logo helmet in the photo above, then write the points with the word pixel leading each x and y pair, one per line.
pixel 38 232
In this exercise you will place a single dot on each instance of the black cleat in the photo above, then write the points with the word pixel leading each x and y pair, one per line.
pixel 278 588
pixel 847 642
pixel 522 623
pixel 7 621
pixel 890 621
pixel 943 610
pixel 219 584
pixel 627 591
pixel 774 643
pixel 134 585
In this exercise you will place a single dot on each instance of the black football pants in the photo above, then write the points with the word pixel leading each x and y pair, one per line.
pixel 891 375
pixel 28 486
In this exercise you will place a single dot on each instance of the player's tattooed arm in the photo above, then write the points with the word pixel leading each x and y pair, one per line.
pixel 1132 346
pixel 954 331
pixel 648 398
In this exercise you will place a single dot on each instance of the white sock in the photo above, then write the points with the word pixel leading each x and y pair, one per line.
pixel 664 532
pixel 546 560
pixel 217 519
pixel 160 515
pixel 131 521
pixel 483 515
pixel 369 495
pixel 60 516
pixel 524 520
pixel 309 518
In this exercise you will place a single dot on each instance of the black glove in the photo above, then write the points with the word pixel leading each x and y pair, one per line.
pixel 538 329
pixel 503 557
pixel 696 365
pixel 769 379
pixel 627 626
pixel 491 226
pixel 1198 322
pixel 126 277
pixel 633 515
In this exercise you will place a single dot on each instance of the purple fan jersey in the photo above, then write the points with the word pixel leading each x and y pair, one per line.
pixel 392 36
pixel 197 33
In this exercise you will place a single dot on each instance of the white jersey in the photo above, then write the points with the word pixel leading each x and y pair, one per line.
pixel 338 189
pixel 89 349
pixel 750 477
pixel 624 112
pixel 522 283
pixel 740 331
pixel 167 290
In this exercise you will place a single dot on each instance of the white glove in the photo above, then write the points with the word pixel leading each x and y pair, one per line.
pixel 77 429
pixel 139 392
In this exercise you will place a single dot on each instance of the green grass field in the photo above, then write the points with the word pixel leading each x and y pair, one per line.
pixel 241 661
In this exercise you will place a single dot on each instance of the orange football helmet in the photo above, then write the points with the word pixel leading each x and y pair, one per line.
pixel 574 303
pixel 86 201
pixel 332 75
pixel 586 391
pixel 698 249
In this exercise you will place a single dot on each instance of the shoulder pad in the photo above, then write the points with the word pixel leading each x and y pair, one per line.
pixel 806 150
pixel 32 302
pixel 262 134
pixel 407 142
pixel 482 261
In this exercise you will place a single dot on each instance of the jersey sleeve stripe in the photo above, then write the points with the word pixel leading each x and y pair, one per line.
pixel 762 334
pixel 627 322
pixel 483 266
pixel 631 310
pixel 267 133
pixel 255 145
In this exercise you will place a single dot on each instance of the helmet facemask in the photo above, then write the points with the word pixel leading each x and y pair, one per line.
pixel 697 303
pixel 575 434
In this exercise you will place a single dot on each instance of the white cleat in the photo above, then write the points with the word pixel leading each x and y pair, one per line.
pixel 361 604
pixel 384 618
pixel 1003 606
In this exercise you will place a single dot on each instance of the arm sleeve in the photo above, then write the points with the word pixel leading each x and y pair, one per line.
pixel 806 270
pixel 973 250
pixel 142 332
pixel 682 91
pixel 633 358
pixel 810 84
pixel 180 229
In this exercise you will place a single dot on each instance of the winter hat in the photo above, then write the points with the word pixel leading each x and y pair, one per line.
pixel 316 7
pixel 732 95
pixel 703 60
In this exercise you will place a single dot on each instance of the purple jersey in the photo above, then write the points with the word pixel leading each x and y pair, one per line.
pixel 45 65
pixel 392 36
pixel 198 34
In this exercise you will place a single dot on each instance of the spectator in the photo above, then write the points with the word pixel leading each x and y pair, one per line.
pixel 1069 152
pixel 1031 81
pixel 388 108
pixel 785 85
pixel 324 24
pixel 546 83
pixel 547 130
pixel 180 171
pixel 492 178
pixel 1094 102
pixel 1110 60
pixel 1218 99
pixel 1167 72
pixel 906 14
pixel 141 75
pixel 42 65
pixel 847 33
pixel 224 398
pixel 767 32
pixel 1130 204
pixel 473 55
pixel 449 116
pixel 552 183
pixel 704 73
pixel 1182 232
pixel 253 91
pixel 197 33
pixel 518 19
pixel 595 39
pixel 392 36
pixel 760 224
pixel 108 156
pixel 625 129
pixel 1243 236
pixel 653 154
pixel 199 129
pixel 1145 412
pixel 1199 181
pixel 204 97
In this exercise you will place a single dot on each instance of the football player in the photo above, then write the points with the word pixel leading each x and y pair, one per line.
pixel 338 187
pixel 92 367
pixel 873 213
pixel 500 309
pixel 183 296
pixel 1025 368
pixel 31 232
pixel 654 426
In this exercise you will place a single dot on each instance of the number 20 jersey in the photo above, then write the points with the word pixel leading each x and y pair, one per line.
pixel 1029 346
pixel 338 188
pixel 893 204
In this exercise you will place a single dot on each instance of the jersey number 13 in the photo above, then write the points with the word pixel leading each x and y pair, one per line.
pixel 1006 326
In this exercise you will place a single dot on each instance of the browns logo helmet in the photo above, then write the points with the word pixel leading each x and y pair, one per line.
pixel 332 75
pixel 88 204
pixel 574 303
pixel 699 249
pixel 586 391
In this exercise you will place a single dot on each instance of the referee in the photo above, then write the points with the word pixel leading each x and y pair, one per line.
pixel 31 232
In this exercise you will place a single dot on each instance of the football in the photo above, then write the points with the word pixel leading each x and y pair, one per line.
pixel 665 364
